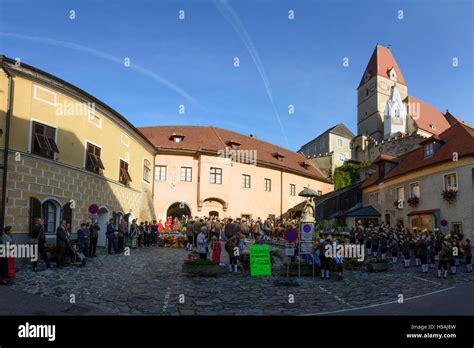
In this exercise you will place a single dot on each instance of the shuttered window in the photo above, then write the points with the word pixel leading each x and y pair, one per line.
pixel 93 162
pixel 43 143
pixel 124 176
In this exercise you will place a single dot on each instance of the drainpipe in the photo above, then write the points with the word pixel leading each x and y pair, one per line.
pixel 6 149
pixel 281 193
pixel 198 192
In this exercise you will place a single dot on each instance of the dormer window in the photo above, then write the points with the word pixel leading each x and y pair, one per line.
pixel 177 138
pixel 278 156
pixel 304 164
pixel 233 144
pixel 429 149
pixel 392 74
pixel 433 127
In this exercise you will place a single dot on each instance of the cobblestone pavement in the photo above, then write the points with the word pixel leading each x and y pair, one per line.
pixel 150 282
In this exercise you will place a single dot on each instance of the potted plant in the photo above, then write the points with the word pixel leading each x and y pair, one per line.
pixel 413 201
pixel 379 265
pixel 202 268
pixel 449 195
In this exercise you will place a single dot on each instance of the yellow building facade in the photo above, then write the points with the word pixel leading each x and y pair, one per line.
pixel 70 155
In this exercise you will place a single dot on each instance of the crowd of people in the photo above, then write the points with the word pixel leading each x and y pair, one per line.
pixel 204 235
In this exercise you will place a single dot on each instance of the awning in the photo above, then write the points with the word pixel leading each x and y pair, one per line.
pixel 363 212
pixel 423 212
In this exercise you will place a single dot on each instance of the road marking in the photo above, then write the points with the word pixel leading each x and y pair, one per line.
pixel 335 296
pixel 165 302
pixel 380 304
pixel 426 280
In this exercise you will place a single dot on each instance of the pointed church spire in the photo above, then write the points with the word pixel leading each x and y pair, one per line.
pixel 383 64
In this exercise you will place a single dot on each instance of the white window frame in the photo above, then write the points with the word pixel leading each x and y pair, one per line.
pixel 428 146
pixel 449 174
pixel 343 155
pixel 292 190
pixel 85 153
pixel 410 192
pixel 216 175
pixel 158 171
pixel 186 174
pixel 244 181
pixel 339 142
pixel 143 168
pixel 403 193
pixel 265 186
pixel 30 136
pixel 35 96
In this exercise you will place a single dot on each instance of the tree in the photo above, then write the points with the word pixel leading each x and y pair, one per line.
pixel 347 174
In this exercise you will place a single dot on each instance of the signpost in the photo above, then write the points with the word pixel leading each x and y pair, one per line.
pixel 260 260
pixel 291 235
pixel 305 242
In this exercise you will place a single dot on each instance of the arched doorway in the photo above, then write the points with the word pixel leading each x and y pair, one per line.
pixel 214 213
pixel 178 209
pixel 103 220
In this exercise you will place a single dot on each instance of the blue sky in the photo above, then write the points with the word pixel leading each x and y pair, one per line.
pixel 190 62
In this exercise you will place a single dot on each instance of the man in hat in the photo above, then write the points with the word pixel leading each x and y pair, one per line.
pixel 443 260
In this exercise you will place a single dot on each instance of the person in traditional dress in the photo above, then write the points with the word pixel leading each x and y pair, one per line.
pixel 216 250
pixel 7 264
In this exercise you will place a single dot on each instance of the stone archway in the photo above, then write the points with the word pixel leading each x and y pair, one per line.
pixel 213 206
pixel 178 209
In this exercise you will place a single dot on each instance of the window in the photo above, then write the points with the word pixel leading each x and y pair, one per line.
pixel 216 175
pixel 429 150
pixel 319 192
pixel 457 227
pixel 93 162
pixel 451 182
pixel 42 141
pixel 268 185
pixel 160 173
pixel 339 142
pixel 186 174
pixel 415 189
pixel 51 216
pixel 374 198
pixel 124 175
pixel 342 157
pixel 245 181
pixel 146 170
pixel 400 193
pixel 292 190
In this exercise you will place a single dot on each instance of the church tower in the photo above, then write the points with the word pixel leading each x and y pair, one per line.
pixel 375 89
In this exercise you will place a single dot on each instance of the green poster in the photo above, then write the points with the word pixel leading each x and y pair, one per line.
pixel 260 260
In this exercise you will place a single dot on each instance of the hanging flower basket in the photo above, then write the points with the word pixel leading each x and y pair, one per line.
pixel 396 204
pixel 413 201
pixel 449 195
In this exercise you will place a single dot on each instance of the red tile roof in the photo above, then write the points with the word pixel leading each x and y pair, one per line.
pixel 213 139
pixel 380 63
pixel 426 116
pixel 459 138
pixel 388 158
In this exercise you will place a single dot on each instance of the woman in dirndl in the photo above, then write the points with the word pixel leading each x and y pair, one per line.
pixel 7 264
